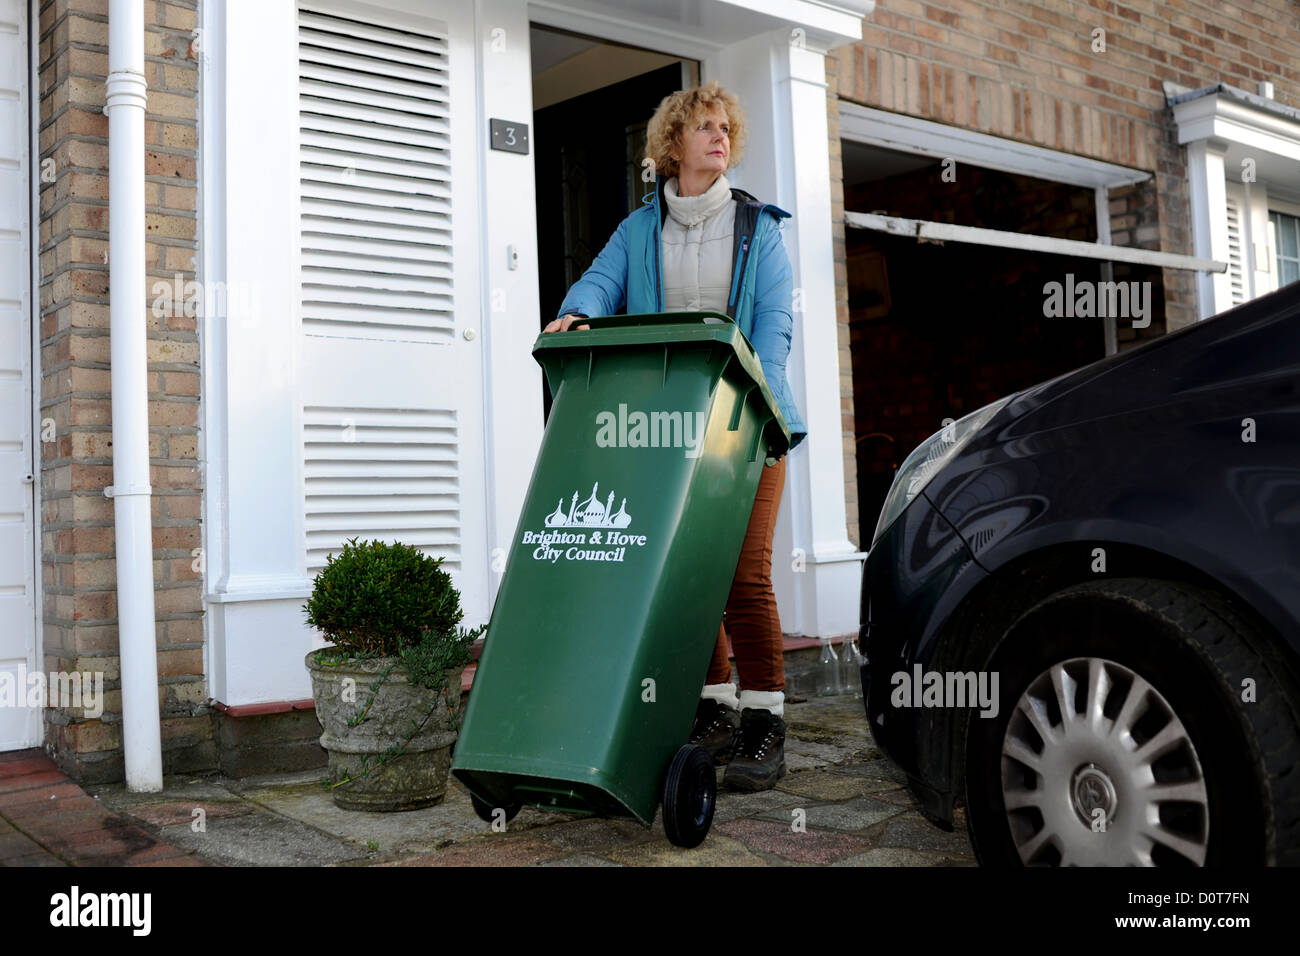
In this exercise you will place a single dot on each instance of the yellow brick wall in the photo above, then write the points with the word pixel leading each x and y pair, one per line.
pixel 77 547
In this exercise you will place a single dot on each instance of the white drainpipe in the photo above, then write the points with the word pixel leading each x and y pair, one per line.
pixel 125 106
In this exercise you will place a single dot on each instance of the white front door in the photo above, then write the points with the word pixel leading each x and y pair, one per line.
pixel 19 724
pixel 392 365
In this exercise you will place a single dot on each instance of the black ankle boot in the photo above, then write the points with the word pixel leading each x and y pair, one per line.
pixel 759 760
pixel 716 729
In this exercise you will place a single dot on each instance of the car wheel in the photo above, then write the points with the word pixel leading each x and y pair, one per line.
pixel 1139 723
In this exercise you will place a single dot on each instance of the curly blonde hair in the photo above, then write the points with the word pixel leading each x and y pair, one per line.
pixel 664 132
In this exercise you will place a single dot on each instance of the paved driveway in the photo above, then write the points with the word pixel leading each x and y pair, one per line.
pixel 841 804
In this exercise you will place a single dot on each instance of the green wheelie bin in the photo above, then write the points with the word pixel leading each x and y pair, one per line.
pixel 618 574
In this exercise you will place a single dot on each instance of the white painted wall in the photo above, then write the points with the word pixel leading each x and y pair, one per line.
pixel 817 572
pixel 254 360
pixel 512 409
pixel 1206 188
pixel 254 564
pixel 260 369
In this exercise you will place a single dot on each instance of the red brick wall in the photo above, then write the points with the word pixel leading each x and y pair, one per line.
pixel 80 610
pixel 1027 71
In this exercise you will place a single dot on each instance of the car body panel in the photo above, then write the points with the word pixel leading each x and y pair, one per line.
pixel 1144 449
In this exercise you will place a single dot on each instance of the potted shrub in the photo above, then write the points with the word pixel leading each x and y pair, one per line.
pixel 387 690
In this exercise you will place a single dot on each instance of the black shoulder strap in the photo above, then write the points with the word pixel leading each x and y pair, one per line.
pixel 747 208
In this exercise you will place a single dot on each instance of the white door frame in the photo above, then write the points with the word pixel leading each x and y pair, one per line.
pixel 28 11
pixel 33 315
pixel 779 72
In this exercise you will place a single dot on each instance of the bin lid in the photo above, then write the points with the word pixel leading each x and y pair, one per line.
pixel 659 328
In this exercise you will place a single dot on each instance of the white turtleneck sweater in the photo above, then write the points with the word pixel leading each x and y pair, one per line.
pixel 697 240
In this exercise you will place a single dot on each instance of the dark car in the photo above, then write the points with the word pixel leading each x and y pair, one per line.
pixel 1081 607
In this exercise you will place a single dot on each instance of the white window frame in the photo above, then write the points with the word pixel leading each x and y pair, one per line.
pixel 1285 208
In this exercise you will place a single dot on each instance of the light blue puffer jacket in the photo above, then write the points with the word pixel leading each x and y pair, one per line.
pixel 627 271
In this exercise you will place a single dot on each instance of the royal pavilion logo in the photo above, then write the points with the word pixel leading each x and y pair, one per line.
pixel 599 535
pixel 590 513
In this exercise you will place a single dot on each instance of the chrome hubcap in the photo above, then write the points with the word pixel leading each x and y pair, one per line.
pixel 1097 770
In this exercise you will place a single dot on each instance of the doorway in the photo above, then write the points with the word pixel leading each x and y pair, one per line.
pixel 592 102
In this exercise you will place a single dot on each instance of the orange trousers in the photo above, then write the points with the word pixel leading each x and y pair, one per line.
pixel 752 622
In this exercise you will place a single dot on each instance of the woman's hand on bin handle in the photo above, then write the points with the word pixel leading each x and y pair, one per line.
pixel 563 322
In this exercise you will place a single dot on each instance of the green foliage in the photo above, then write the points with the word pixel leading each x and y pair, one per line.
pixel 428 661
pixel 376 600
pixel 379 600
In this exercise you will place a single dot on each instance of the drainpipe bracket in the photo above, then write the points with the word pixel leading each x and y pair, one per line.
pixel 128 490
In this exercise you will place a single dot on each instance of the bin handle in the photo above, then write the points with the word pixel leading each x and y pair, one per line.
pixel 742 399
pixel 760 437
pixel 656 318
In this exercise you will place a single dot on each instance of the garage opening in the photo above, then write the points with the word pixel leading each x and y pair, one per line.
pixel 939 329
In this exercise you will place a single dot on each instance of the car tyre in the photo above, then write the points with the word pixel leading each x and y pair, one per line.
pixel 1145 668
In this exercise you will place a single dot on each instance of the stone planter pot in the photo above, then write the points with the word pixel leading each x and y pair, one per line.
pixel 418 777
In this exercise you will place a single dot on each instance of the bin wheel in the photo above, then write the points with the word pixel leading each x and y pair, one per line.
pixel 486 811
pixel 690 793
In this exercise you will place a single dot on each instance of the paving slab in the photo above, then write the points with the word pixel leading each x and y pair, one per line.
pixel 823 785
pixel 596 833
pixel 849 815
pixel 902 796
pixel 194 790
pixel 912 830
pixel 811 755
pixel 717 850
pixel 15 847
pixel 802 845
pixel 877 769
pixel 579 859
pixel 495 850
pixel 40 858
pixel 902 856
pixel 732 805
pixel 262 839
pixel 183 811
pixel 302 798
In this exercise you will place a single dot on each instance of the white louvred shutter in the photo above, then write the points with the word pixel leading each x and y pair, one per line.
pixel 390 391
pixel 1236 255
pixel 389 474
pixel 375 171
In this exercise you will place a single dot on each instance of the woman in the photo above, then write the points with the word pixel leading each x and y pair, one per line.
pixel 699 244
